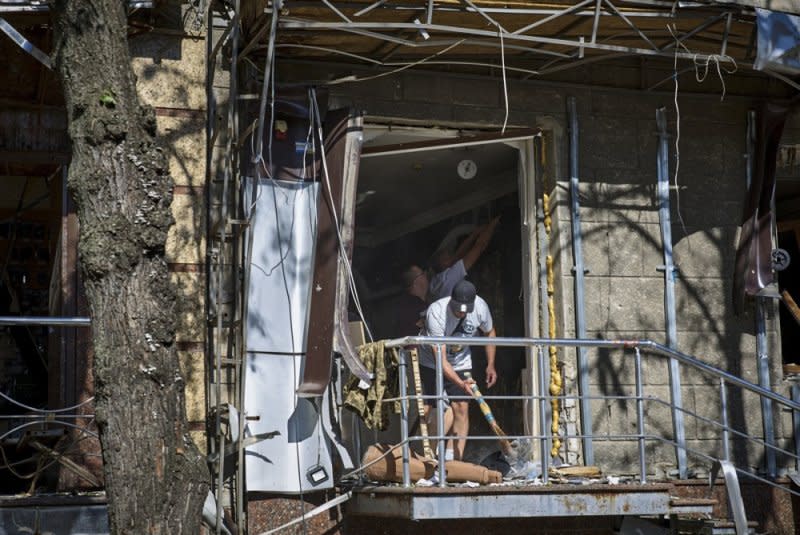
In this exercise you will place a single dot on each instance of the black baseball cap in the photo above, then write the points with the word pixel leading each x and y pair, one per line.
pixel 463 297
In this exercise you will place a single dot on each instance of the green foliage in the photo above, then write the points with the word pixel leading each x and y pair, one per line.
pixel 108 98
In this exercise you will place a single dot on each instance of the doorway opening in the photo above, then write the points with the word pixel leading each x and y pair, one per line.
pixel 421 191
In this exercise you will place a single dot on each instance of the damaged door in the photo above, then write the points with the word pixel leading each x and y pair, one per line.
pixel 294 231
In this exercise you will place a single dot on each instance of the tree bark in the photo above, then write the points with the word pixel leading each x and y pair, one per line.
pixel 156 479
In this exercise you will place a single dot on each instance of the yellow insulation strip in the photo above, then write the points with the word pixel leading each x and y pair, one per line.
pixel 546 209
pixel 556 382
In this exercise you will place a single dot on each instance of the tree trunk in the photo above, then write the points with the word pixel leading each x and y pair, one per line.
pixel 156 479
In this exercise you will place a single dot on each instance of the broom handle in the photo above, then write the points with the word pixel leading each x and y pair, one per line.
pixel 487 413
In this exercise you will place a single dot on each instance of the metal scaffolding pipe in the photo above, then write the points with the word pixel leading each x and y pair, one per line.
pixel 669 290
pixel 404 416
pixel 640 416
pixel 544 411
pixel 579 272
pixel 441 446
pixel 762 344
pixel 51 321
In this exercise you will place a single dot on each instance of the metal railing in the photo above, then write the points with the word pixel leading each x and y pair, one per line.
pixel 635 348
pixel 41 421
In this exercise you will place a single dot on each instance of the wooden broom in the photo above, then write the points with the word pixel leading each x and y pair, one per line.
pixel 505 445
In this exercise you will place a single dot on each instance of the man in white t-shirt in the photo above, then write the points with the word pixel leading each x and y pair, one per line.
pixel 451 266
pixel 462 314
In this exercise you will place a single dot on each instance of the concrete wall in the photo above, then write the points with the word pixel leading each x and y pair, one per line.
pixel 622 244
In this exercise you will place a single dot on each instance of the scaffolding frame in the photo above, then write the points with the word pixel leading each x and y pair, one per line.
pixel 497 39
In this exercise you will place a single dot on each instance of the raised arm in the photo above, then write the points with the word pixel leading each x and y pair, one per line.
pixel 481 242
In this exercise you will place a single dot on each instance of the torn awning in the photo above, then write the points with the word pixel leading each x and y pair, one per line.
pixel 778 41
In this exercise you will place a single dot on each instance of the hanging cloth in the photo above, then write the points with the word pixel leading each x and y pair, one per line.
pixel 367 400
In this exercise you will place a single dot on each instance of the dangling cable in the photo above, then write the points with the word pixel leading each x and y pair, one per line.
pixel 505 84
pixel 343 252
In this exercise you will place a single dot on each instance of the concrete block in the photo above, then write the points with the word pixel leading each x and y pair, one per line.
pixel 190 289
pixel 388 87
pixel 701 147
pixel 427 112
pixel 612 370
pixel 598 303
pixel 616 103
pixel 649 141
pixel 529 98
pixel 193 370
pixel 732 352
pixel 479 116
pixel 561 248
pixel 609 142
pixel 477 92
pixel 425 88
pixel 627 244
pixel 707 304
pixel 596 248
pixel 185 144
pixel 702 212
pixel 614 75
pixel 706 252
pixel 631 202
pixel 622 417
pixel 655 369
pixel 660 458
pixel 600 416
pixel 708 406
pixel 185 240
pixel 658 412
pixel 617 458
pixel 723 114
pixel 652 249
pixel 635 303
pixel 591 197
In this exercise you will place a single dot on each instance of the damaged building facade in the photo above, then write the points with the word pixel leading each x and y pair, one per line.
pixel 641 157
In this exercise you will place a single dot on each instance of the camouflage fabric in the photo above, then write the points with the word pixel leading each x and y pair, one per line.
pixel 368 403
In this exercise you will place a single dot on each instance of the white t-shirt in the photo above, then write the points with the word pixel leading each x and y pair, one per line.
pixel 440 321
pixel 442 284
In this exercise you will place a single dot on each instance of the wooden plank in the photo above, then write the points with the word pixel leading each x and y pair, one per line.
pixel 791 305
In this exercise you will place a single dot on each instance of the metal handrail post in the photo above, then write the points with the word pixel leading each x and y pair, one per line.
pixel 544 444
pixel 640 417
pixel 404 418
pixel 653 347
pixel 796 424
pixel 578 273
pixel 442 445
pixel 723 396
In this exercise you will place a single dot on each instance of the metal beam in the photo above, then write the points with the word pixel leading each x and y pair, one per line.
pixel 669 291
pixel 627 21
pixel 24 44
pixel 578 272
pixel 555 15
pixel 375 501
pixel 366 28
